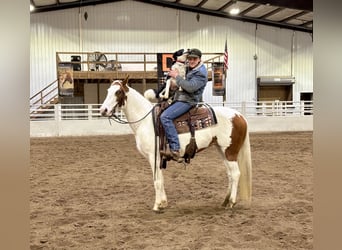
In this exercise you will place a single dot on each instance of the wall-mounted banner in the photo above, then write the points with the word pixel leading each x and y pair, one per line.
pixel 164 64
pixel 65 79
pixel 219 79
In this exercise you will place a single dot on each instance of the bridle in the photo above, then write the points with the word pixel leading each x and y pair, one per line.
pixel 116 118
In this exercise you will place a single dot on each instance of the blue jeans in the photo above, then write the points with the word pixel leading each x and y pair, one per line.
pixel 173 111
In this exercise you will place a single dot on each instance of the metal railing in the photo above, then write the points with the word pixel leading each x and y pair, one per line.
pixel 60 112
pixel 45 96
pixel 121 61
pixel 114 62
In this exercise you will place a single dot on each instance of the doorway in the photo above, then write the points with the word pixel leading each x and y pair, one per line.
pixel 274 92
pixel 274 98
pixel 307 98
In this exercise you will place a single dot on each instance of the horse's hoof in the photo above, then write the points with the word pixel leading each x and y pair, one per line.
pixel 163 205
pixel 226 201
pixel 230 202
pixel 159 211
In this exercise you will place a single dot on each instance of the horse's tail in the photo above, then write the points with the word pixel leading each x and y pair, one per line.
pixel 245 165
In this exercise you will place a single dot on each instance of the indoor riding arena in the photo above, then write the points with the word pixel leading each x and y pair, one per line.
pixel 91 188
pixel 96 192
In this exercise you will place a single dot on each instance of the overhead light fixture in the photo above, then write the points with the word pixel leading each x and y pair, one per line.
pixel 234 11
pixel 31 7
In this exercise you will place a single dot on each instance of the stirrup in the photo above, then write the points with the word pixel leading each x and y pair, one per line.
pixel 176 156
pixel 171 155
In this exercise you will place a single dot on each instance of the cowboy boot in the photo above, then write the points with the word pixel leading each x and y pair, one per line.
pixel 176 156
pixel 172 154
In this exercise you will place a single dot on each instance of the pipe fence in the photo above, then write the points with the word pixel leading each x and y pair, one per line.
pixel 60 112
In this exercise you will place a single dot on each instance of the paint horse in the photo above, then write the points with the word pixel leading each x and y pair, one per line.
pixel 230 135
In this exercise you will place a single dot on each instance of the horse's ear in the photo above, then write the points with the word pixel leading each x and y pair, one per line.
pixel 126 80
pixel 125 83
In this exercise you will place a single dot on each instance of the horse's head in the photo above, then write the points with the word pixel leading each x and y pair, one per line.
pixel 116 97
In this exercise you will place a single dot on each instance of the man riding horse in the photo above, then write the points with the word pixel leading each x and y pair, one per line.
pixel 188 93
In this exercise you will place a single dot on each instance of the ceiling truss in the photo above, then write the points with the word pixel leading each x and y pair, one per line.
pixel 288 14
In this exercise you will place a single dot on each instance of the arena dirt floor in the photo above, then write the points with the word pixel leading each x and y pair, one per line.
pixel 96 192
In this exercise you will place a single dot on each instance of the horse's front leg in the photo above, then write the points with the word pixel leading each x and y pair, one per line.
pixel 158 181
pixel 161 199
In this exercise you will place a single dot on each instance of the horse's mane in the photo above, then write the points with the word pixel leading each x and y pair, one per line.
pixel 138 97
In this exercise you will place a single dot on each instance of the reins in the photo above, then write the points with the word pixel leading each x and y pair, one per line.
pixel 117 119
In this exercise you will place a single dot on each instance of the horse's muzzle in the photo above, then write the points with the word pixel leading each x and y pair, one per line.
pixel 103 112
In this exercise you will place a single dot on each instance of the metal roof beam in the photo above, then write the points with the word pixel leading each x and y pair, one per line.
pixel 202 3
pixel 307 23
pixel 254 6
pixel 293 16
pixel 71 5
pixel 226 15
pixel 226 5
pixel 290 4
pixel 178 5
pixel 271 13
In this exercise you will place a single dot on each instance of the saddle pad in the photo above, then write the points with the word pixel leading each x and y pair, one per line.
pixel 200 117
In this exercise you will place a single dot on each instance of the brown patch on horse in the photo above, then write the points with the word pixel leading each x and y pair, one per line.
pixel 238 136
pixel 121 93
pixel 121 97
pixel 213 141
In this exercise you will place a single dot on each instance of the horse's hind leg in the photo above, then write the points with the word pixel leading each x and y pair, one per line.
pixel 230 181
pixel 233 173
pixel 238 135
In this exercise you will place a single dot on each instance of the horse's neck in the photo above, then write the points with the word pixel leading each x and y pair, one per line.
pixel 136 108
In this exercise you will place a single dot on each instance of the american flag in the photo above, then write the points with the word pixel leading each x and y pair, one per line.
pixel 225 58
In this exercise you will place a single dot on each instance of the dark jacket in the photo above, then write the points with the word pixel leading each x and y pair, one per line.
pixel 193 86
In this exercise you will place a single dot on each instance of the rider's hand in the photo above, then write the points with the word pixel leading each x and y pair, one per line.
pixel 173 73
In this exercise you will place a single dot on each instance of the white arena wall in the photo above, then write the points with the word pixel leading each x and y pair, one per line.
pixel 103 127
pixel 129 26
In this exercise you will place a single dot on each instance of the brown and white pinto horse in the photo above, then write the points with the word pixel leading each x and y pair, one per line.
pixel 230 135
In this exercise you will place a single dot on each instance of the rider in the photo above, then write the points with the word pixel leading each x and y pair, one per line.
pixel 188 93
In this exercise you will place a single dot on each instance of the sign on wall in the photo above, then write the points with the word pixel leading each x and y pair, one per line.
pixel 219 79
pixel 164 62
pixel 65 79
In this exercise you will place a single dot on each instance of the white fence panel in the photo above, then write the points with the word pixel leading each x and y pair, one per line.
pixel 85 119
